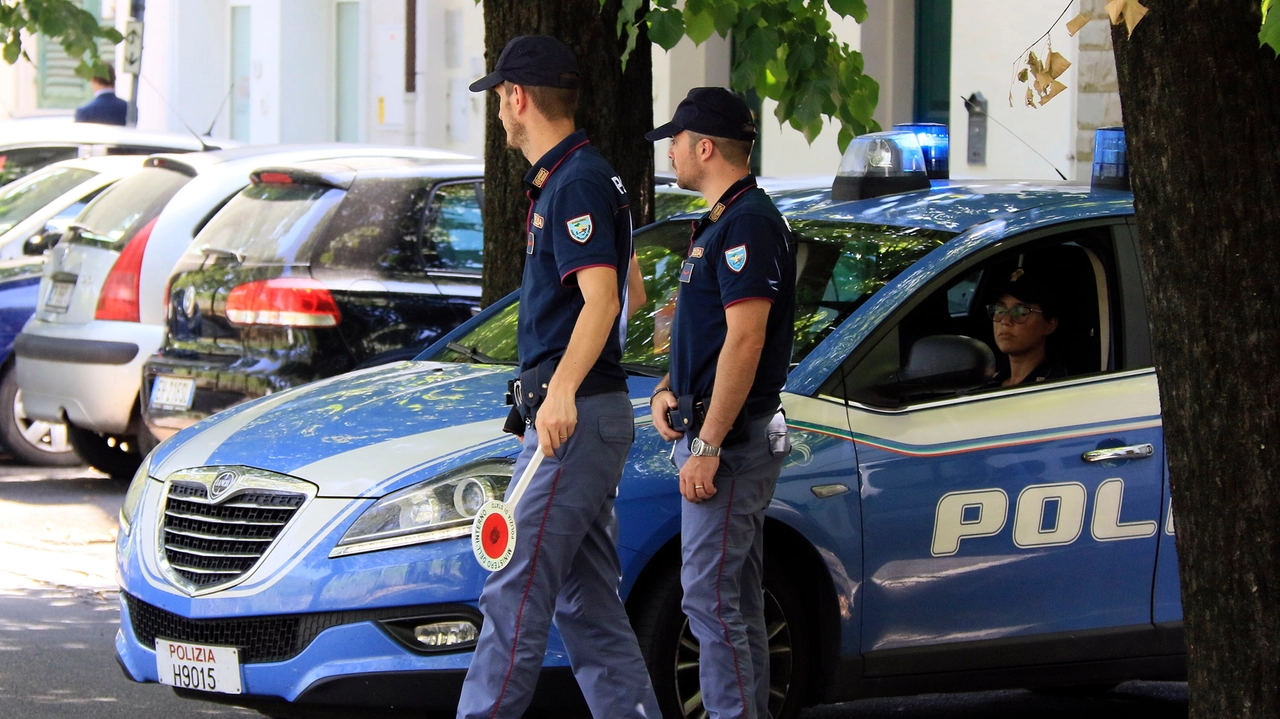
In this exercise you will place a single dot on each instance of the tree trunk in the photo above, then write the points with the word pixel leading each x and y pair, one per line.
pixel 615 108
pixel 1203 130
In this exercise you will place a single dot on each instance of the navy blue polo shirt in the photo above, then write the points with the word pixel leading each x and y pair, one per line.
pixel 740 250
pixel 578 218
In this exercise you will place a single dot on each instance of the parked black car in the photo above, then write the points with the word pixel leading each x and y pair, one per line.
pixel 313 270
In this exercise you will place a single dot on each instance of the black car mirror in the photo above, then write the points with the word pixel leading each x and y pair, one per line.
pixel 42 241
pixel 940 364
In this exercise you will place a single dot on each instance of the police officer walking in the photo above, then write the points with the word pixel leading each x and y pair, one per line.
pixel 572 406
pixel 730 350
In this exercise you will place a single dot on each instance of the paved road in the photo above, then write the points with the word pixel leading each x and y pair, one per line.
pixel 59 616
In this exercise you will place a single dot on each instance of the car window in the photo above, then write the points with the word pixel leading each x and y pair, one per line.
pixel 23 198
pixel 270 224
pixel 669 201
pixel 374 231
pixel 1081 267
pixel 113 218
pixel 453 232
pixel 23 161
pixel 838 265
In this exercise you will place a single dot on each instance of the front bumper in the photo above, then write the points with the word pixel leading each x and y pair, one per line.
pixel 88 373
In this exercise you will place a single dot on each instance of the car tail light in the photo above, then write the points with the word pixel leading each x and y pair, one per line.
pixel 119 299
pixel 283 301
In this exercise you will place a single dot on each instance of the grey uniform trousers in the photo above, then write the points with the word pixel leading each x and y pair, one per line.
pixel 565 566
pixel 722 572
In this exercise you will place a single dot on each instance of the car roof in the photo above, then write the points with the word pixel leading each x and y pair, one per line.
pixel 256 155
pixel 341 172
pixel 104 163
pixel 957 205
pixel 54 131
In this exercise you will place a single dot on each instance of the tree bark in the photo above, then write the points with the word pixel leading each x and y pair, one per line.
pixel 1203 128
pixel 615 108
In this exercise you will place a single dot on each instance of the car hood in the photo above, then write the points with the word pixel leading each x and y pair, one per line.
pixel 358 435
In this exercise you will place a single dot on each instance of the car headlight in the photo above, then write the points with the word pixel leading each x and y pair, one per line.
pixel 137 487
pixel 439 508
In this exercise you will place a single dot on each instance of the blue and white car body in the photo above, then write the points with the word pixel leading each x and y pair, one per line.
pixel 952 541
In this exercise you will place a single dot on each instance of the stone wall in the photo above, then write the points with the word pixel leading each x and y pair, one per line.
pixel 1097 95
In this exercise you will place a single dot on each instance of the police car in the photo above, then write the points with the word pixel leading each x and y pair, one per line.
pixel 312 548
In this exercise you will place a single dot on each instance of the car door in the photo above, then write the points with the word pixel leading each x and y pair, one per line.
pixel 1003 522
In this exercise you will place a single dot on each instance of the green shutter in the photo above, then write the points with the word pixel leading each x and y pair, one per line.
pixel 933 61
pixel 57 85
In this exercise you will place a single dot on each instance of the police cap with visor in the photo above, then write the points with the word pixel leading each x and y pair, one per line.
pixel 710 111
pixel 533 60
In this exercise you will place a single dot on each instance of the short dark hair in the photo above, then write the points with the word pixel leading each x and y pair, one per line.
pixel 109 79
pixel 735 152
pixel 555 103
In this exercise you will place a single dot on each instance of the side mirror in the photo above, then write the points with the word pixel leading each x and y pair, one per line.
pixel 941 364
pixel 42 241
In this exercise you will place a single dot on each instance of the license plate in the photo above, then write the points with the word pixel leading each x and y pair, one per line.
pixel 172 393
pixel 60 296
pixel 196 666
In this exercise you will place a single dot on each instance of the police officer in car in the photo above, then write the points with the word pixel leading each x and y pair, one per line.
pixel 730 350
pixel 572 406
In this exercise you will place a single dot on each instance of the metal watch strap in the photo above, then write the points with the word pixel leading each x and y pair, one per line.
pixel 698 448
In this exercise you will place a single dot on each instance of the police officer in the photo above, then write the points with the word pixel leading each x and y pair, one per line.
pixel 573 397
pixel 730 350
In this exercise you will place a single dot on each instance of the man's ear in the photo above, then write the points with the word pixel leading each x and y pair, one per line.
pixel 706 148
pixel 1052 326
pixel 519 99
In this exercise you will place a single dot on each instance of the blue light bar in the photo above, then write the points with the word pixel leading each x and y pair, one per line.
pixel 935 143
pixel 1110 160
pixel 880 163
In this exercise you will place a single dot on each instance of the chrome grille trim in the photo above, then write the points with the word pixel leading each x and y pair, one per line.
pixel 214 535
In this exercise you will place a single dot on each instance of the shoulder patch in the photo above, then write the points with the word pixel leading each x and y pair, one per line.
pixel 736 257
pixel 580 228
pixel 697 252
pixel 538 220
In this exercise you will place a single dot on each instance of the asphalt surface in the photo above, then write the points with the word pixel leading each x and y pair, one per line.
pixel 59 615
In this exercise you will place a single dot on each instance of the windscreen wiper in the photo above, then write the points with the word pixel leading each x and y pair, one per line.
pixel 474 355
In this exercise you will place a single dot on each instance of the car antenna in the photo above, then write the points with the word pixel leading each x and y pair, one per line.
pixel 203 146
pixel 975 106
pixel 219 112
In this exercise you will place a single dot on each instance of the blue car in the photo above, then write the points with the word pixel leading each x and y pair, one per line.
pixel 930 532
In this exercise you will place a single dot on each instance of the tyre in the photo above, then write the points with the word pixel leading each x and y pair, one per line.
pixel 117 456
pixel 31 441
pixel 671 651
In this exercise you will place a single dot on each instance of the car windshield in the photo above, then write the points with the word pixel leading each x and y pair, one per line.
pixel 22 199
pixel 270 224
pixel 839 266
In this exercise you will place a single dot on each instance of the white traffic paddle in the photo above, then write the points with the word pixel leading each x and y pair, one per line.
pixel 493 531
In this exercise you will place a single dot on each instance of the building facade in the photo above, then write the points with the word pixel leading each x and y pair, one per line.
pixel 290 71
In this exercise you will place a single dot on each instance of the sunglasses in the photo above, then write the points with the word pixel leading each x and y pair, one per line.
pixel 1017 313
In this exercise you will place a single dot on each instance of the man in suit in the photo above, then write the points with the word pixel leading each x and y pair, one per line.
pixel 105 108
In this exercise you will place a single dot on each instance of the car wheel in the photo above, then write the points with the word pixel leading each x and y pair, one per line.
pixel 31 441
pixel 671 651
pixel 115 455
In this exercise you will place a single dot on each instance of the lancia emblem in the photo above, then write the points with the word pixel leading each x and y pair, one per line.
pixel 222 483
pixel 189 301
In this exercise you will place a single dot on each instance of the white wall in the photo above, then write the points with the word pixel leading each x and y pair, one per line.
pixel 183 79
pixel 450 57
pixel 984 53
pixel 306 71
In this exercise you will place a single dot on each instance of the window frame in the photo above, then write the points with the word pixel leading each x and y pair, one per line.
pixel 1118 289
pixel 477 184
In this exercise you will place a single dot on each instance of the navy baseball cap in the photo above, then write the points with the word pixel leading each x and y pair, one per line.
pixel 710 111
pixel 535 60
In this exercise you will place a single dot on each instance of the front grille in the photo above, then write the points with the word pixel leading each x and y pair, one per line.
pixel 274 638
pixel 208 544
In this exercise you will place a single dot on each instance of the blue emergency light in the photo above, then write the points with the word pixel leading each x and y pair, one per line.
pixel 1110 162
pixel 880 163
pixel 935 144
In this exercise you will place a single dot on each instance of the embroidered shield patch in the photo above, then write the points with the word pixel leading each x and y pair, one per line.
pixel 736 257
pixel 580 228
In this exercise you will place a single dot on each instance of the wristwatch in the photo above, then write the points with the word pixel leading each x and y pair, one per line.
pixel 698 448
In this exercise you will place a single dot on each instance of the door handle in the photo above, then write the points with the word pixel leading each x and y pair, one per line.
pixel 1134 451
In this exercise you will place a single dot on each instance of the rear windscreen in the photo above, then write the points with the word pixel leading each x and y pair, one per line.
pixel 271 224
pixel 116 215
pixel 22 199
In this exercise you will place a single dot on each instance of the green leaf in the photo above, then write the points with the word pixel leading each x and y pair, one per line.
pixel 11 51
pixel 845 8
pixel 699 25
pixel 666 27
pixel 726 16
pixel 1270 33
